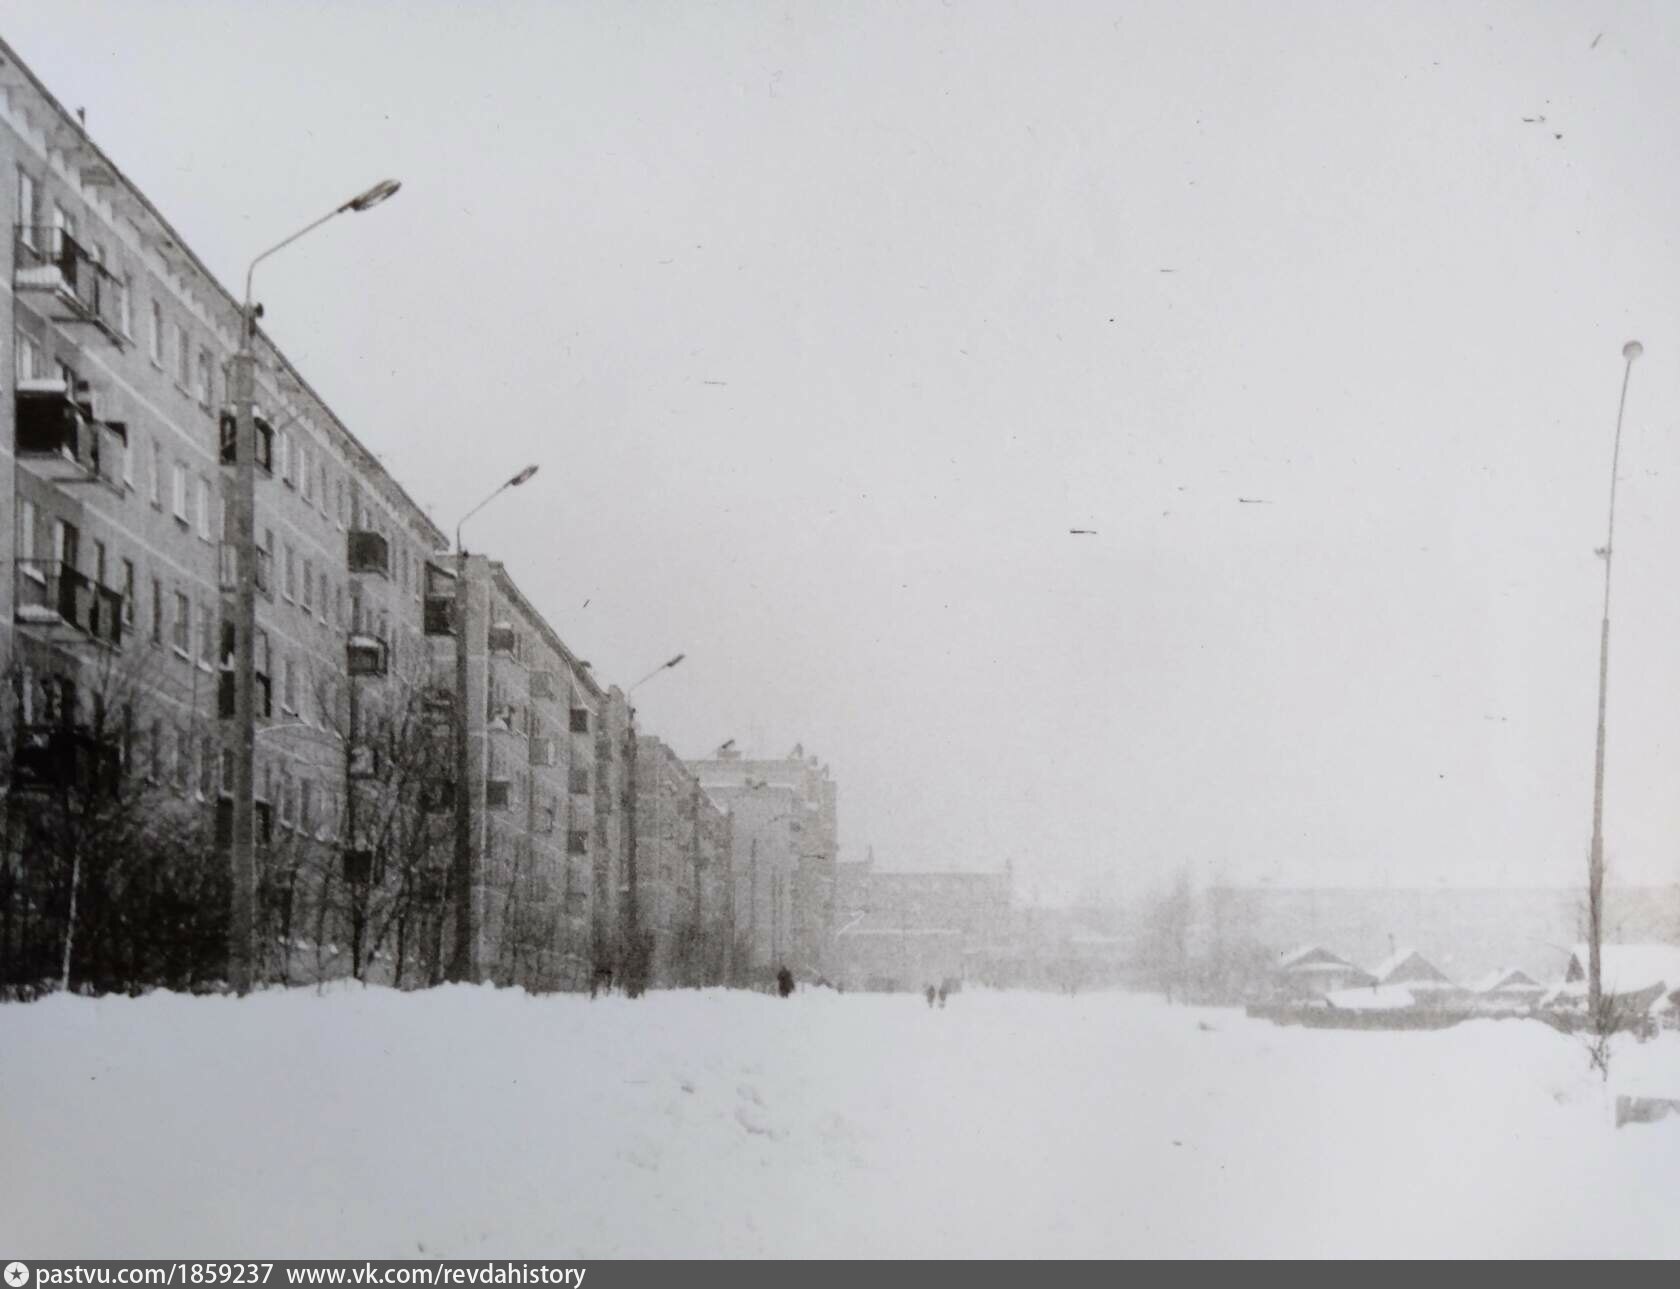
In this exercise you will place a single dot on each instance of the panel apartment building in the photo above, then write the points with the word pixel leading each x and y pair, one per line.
pixel 785 841
pixel 684 892
pixel 116 608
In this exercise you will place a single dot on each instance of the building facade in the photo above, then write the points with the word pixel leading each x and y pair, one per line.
pixel 683 889
pixel 785 843
pixel 906 930
pixel 531 712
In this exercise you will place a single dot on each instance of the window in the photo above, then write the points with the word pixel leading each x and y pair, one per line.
pixel 206 636
pixel 183 357
pixel 268 559
pixel 341 503
pixel 204 378
pixel 206 767
pixel 290 585
pixel 67 544
pixel 183 758
pixel 323 487
pixel 28 207
pixel 291 699
pixel 321 604
pixel 28 357
pixel 180 492
pixel 577 842
pixel 154 340
pixel 157 475
pixel 26 535
pixel 64 226
pixel 580 720
pixel 183 623
pixel 308 474
pixel 157 611
pixel 204 507
pixel 283 453
pixel 125 309
pixel 228 772
pixel 128 592
pixel 99 557
pixel 306 806
pixel 308 585
pixel 128 463
pixel 288 798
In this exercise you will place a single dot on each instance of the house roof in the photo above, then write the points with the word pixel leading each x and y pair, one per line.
pixel 1404 965
pixel 1310 956
pixel 1511 979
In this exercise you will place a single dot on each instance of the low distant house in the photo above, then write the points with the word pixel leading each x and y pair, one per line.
pixel 1506 989
pixel 1640 976
pixel 1426 982
pixel 1374 998
pixel 1312 971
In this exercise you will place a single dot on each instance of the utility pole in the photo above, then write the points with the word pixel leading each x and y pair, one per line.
pixel 242 388
pixel 463 965
pixel 1595 860
pixel 243 848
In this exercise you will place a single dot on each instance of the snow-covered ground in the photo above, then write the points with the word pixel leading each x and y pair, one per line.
pixel 472 1122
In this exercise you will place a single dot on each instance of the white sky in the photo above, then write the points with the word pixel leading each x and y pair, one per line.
pixel 826 323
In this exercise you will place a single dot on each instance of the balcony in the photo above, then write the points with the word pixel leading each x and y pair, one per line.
pixel 229 565
pixel 367 656
pixel 53 595
pixel 503 639
pixel 52 270
pixel 369 553
pixel 52 758
pixel 59 438
pixel 262 695
pixel 439 615
pixel 230 440
pixel 498 794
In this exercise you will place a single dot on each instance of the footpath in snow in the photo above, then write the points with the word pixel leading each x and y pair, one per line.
pixel 470 1122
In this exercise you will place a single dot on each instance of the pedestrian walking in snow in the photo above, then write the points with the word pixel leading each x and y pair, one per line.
pixel 784 982
pixel 929 991
pixel 941 995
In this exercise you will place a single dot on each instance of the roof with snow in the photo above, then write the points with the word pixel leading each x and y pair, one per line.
pixel 1310 957
pixel 1507 980
pixel 1407 965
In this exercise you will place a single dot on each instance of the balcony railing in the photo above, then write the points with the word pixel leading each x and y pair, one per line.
pixel 367 656
pixel 47 262
pixel 57 433
pixel 369 552
pixel 439 615
pixel 51 757
pixel 51 593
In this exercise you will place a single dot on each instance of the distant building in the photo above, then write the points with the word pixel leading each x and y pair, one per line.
pixel 906 930
pixel 1312 971
pixel 1505 989
pixel 1639 976
pixel 785 842
pixel 683 886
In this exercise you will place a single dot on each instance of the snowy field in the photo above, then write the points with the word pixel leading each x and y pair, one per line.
pixel 470 1122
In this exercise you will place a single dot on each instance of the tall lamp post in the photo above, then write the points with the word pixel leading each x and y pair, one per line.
pixel 242 381
pixel 632 915
pixel 463 962
pixel 1595 861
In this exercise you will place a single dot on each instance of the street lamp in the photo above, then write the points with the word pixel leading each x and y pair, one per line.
pixel 242 381
pixel 632 916
pixel 463 965
pixel 1595 860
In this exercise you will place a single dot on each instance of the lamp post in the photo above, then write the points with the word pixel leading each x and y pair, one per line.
pixel 632 915
pixel 242 382
pixel 463 963
pixel 1595 860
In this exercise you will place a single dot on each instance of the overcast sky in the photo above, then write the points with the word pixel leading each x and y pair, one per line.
pixel 827 322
